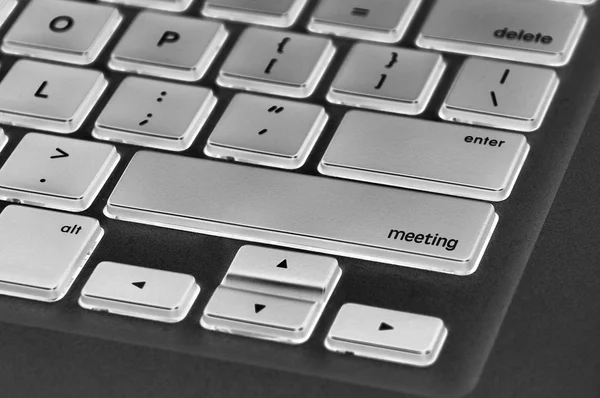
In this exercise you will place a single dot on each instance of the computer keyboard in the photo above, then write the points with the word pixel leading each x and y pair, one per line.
pixel 310 152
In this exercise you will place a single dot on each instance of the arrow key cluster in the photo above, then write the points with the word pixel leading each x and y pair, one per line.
pixel 272 294
pixel 139 292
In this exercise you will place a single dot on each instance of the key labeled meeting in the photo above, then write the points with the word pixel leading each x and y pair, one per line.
pixel 301 211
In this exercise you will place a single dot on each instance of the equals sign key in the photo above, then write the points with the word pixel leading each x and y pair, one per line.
pixel 360 12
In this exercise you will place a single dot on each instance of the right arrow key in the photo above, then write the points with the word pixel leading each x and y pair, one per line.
pixel 387 335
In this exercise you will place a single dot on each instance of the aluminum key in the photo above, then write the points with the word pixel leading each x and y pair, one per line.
pixel 305 212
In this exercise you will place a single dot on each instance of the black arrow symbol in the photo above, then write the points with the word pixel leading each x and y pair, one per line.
pixel 282 264
pixel 258 308
pixel 384 326
pixel 139 285
pixel 63 154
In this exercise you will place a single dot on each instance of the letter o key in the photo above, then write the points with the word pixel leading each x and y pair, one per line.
pixel 61 24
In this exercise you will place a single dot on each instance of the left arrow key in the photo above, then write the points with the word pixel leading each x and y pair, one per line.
pixel 139 285
pixel 162 296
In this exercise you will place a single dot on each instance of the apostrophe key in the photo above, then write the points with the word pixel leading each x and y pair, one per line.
pixel 262 130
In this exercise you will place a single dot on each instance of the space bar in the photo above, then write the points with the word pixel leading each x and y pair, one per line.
pixel 344 218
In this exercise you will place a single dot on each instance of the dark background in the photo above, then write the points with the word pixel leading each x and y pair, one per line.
pixel 548 346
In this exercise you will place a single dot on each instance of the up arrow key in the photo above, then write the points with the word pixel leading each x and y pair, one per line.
pixel 62 154
pixel 282 264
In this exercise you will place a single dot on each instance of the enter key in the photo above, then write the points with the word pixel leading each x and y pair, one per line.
pixel 427 156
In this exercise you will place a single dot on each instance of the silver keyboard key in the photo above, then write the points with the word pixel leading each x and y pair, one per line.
pixel 42 252
pixel 305 212
pixel 155 113
pixel 263 316
pixel 60 30
pixel 267 131
pixel 165 5
pixel 49 97
pixel 283 273
pixel 501 95
pixel 425 155
pixel 535 31
pixel 387 335
pixel 56 172
pixel 168 46
pixel 139 292
pixel 379 20
pixel 281 13
pixel 387 78
pixel 277 62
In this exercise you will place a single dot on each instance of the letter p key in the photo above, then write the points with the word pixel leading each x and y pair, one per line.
pixel 168 37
